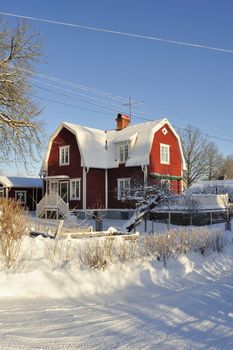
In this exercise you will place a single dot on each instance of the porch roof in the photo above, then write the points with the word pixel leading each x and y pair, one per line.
pixel 57 177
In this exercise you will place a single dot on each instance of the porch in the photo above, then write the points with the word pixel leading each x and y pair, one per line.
pixel 52 206
pixel 55 202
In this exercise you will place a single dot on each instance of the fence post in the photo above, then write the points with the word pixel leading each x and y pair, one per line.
pixel 145 221
pixel 191 219
pixel 168 221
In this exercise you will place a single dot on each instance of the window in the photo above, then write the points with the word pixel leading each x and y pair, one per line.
pixel 165 184
pixel 21 196
pixel 75 189
pixel 1 193
pixel 123 152
pixel 64 155
pixel 123 188
pixel 53 188
pixel 164 154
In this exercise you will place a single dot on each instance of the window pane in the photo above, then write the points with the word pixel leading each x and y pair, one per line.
pixel 164 154
pixel 74 189
pixel 64 155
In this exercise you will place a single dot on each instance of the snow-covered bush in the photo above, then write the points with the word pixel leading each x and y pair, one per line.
pixel 13 226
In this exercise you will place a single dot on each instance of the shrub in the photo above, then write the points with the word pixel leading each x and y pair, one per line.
pixel 180 241
pixel 96 253
pixel 13 225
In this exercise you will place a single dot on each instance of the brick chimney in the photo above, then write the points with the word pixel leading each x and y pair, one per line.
pixel 122 121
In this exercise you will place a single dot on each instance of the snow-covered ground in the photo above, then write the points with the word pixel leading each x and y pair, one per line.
pixel 141 305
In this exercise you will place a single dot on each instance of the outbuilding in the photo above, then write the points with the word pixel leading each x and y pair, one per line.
pixel 27 190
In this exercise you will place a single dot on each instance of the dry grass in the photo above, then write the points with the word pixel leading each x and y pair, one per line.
pixel 100 252
pixel 61 250
pixel 13 226
pixel 180 241
pixel 96 253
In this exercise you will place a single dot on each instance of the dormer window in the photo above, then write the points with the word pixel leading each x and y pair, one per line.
pixel 123 152
pixel 64 155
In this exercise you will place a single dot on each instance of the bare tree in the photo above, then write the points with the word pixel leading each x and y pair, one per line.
pixel 227 167
pixel 194 148
pixel 214 161
pixel 20 130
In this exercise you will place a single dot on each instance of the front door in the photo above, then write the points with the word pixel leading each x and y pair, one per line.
pixel 64 190
pixel 53 188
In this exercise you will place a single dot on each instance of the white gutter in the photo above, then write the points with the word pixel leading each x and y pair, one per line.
pixel 85 171
pixel 106 188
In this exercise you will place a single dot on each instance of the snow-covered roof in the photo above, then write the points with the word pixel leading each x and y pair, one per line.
pixel 195 202
pixel 210 186
pixel 21 182
pixel 98 147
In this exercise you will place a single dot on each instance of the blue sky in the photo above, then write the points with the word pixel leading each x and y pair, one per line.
pixel 187 85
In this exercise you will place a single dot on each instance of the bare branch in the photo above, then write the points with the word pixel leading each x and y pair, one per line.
pixel 20 131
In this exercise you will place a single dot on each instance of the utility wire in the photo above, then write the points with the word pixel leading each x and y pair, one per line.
pixel 118 108
pixel 138 36
pixel 137 117
pixel 75 93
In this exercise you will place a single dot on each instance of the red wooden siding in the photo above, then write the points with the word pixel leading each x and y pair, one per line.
pixel 121 172
pixel 175 166
pixel 96 188
pixel 74 169
pixel 95 178
pixel 33 196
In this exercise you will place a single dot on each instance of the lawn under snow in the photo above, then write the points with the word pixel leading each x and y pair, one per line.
pixel 49 304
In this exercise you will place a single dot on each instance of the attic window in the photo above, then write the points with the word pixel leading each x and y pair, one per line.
pixel 164 131
pixel 123 152
pixel 164 154
pixel 64 155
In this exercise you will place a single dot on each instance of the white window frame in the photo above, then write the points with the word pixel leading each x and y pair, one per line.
pixel 123 152
pixel 60 194
pixel 126 187
pixel 63 154
pixel 75 198
pixel 25 196
pixel 164 153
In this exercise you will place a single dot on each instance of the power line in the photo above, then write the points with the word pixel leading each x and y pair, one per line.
pixel 107 95
pixel 118 108
pixel 46 76
pixel 71 105
pixel 75 93
pixel 110 31
pixel 135 116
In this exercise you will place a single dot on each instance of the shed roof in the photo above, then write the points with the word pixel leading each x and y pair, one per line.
pixel 21 182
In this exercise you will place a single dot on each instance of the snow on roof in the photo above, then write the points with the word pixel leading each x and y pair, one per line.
pixel 98 147
pixel 21 182
pixel 91 144
pixel 195 202
pixel 210 186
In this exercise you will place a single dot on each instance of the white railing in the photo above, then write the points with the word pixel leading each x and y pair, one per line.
pixel 50 202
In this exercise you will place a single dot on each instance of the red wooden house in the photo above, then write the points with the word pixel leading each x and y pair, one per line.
pixel 87 168
pixel 26 190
